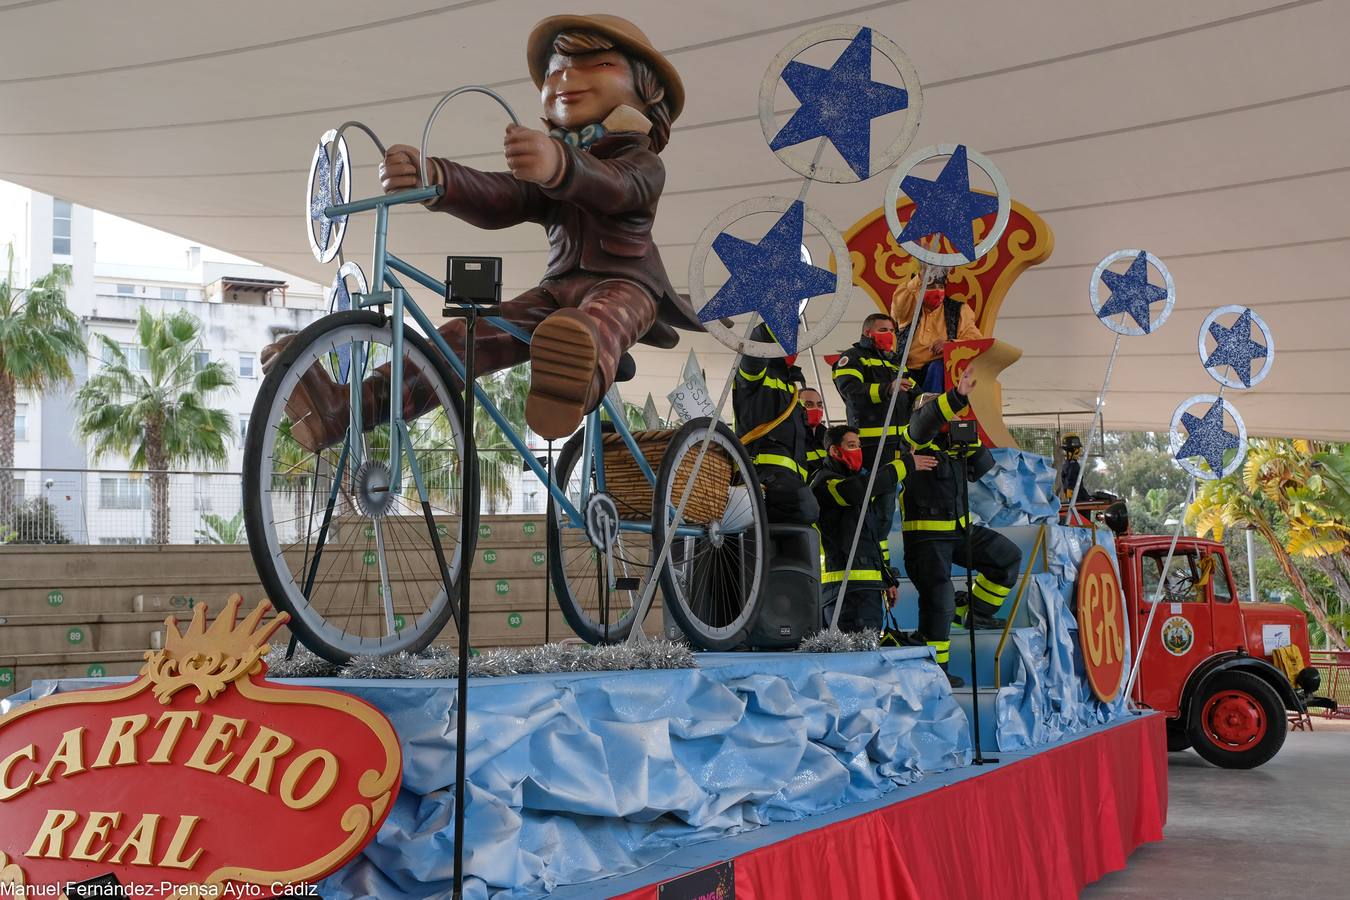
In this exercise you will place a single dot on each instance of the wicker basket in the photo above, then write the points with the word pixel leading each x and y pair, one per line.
pixel 625 481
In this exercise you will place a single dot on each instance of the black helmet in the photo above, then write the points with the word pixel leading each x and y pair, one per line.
pixel 1071 442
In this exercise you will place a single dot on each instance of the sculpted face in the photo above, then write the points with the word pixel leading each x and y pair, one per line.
pixel 580 90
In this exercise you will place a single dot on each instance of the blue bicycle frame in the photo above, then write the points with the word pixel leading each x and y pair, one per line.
pixel 385 266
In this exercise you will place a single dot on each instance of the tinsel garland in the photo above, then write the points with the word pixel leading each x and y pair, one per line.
pixel 832 640
pixel 441 662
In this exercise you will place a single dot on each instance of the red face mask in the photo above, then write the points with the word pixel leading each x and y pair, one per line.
pixel 885 340
pixel 790 359
pixel 814 417
pixel 851 458
pixel 932 299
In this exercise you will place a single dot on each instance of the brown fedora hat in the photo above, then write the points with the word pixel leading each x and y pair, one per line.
pixel 625 35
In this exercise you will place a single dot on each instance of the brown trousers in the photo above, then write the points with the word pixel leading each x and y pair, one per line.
pixel 620 312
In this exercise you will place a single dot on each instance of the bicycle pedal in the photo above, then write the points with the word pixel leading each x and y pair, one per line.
pixel 627 584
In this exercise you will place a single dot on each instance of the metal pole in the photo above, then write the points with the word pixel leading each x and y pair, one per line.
pixel 980 759
pixel 1157 595
pixel 469 516
pixel 881 447
pixel 1087 445
pixel 548 551
pixel 1251 565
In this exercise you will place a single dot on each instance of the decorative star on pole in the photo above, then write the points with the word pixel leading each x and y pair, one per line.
pixel 322 197
pixel 840 103
pixel 1131 293
pixel 1206 437
pixel 1235 347
pixel 769 278
pixel 947 205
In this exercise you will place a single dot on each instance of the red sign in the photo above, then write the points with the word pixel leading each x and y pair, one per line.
pixel 200 777
pixel 1101 623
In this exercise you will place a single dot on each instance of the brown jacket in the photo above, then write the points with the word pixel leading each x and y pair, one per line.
pixel 599 217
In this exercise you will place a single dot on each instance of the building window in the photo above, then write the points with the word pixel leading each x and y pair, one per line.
pixel 126 289
pixel 61 227
pixel 200 359
pixel 18 490
pixel 138 358
pixel 21 422
pixel 243 428
pixel 123 493
pixel 173 293
pixel 246 365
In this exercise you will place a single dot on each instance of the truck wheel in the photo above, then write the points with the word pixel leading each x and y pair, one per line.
pixel 1237 721
pixel 1177 738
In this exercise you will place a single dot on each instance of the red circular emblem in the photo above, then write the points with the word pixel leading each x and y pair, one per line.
pixel 1101 623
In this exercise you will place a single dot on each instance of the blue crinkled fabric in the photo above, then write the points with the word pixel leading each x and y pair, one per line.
pixel 1050 697
pixel 579 776
pixel 1019 490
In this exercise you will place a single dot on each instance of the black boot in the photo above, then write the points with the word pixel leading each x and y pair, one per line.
pixel 956 681
pixel 978 615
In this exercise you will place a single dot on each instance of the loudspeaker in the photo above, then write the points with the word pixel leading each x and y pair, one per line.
pixel 789 607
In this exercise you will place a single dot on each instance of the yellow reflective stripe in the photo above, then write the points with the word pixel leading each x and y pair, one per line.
pixel 834 491
pixel 876 431
pixel 934 524
pixel 899 466
pixel 854 372
pixel 982 592
pixel 814 455
pixel 945 405
pixel 885 543
pixel 997 590
pixel 962 610
pixel 775 459
pixel 778 385
pixel 874 391
pixel 748 377
pixel 858 575
pixel 877 362
pixel 941 649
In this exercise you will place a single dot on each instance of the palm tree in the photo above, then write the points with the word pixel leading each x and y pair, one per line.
pixel 1264 495
pixel 220 530
pixel 39 335
pixel 157 415
pixel 497 461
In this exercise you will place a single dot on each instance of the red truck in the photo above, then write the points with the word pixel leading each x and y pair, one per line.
pixel 1207 662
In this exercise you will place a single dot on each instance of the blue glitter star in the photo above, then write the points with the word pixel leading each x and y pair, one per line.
pixel 320 199
pixel 947 206
pixel 1235 347
pixel 1131 293
pixel 769 278
pixel 840 103
pixel 1206 437
pixel 342 300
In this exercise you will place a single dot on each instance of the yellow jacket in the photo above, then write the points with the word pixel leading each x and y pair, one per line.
pixel 932 330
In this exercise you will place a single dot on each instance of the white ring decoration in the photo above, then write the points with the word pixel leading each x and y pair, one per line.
pixel 931 257
pixel 339 230
pixel 1122 327
pixel 806 336
pixel 1237 310
pixel 909 77
pixel 1175 440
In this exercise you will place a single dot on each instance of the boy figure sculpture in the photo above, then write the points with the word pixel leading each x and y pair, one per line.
pixel 593 182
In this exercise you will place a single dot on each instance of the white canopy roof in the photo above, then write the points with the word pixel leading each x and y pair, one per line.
pixel 1213 133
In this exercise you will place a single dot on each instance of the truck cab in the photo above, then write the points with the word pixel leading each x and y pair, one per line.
pixel 1207 660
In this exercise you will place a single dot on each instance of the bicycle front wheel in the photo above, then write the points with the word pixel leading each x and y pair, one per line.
pixel 345 539
pixel 718 564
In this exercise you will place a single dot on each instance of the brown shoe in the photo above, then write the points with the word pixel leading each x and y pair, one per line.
pixel 318 408
pixel 564 377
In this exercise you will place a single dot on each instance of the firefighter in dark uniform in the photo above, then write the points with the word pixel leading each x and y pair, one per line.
pixel 772 425
pixel 866 375
pixel 817 438
pixel 934 530
pixel 1072 445
pixel 840 486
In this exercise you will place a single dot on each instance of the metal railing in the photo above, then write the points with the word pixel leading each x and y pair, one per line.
pixel 114 506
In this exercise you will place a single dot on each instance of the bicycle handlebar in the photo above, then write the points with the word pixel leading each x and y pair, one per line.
pixel 468 88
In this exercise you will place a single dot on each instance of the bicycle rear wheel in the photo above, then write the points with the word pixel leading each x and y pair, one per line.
pixel 578 568
pixel 716 572
pixel 353 561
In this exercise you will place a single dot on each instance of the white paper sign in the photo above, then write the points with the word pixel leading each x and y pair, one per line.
pixel 650 416
pixel 692 370
pixel 691 400
pixel 1274 636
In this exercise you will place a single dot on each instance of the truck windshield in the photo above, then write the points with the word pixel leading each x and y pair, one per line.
pixel 1184 576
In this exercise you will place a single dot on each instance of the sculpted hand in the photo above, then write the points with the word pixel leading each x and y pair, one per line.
pixel 967 382
pixel 400 170
pixel 532 155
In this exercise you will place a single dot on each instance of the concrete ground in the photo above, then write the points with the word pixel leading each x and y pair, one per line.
pixel 1281 830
